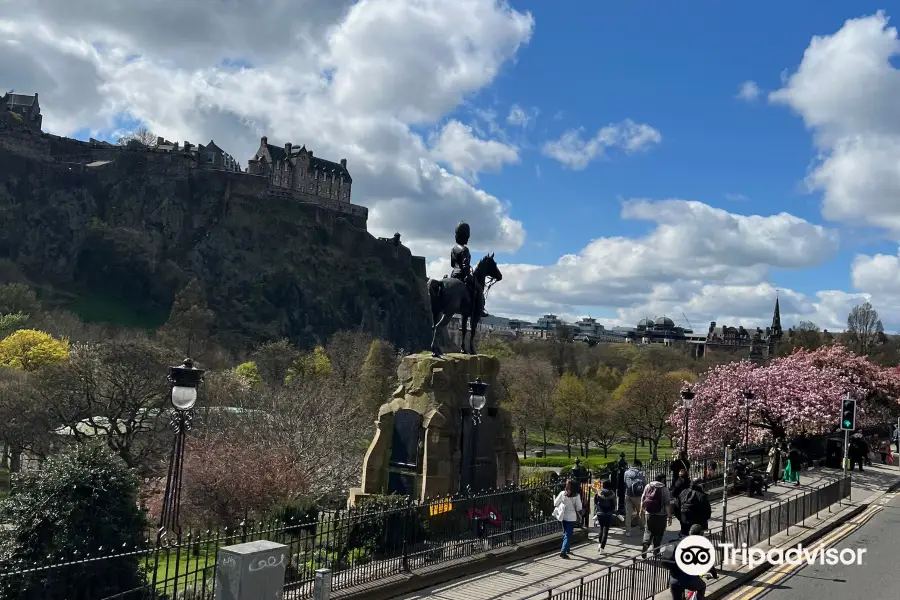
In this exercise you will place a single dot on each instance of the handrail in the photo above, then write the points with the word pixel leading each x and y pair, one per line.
pixel 548 593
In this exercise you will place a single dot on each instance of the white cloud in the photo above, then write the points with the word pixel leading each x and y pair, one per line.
pixel 698 260
pixel 468 155
pixel 846 90
pixel 748 91
pixel 576 152
pixel 520 117
pixel 348 79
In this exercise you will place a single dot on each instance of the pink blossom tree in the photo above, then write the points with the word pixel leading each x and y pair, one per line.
pixel 795 395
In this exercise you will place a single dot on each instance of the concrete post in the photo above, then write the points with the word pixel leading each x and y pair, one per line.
pixel 251 571
pixel 322 585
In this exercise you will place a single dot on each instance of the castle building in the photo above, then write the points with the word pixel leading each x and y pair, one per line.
pixel 26 109
pixel 208 156
pixel 297 169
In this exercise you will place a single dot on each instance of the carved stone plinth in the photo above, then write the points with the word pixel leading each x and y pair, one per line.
pixel 423 444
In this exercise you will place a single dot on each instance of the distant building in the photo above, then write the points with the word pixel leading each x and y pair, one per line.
pixel 26 108
pixel 209 156
pixel 661 330
pixel 759 344
pixel 297 169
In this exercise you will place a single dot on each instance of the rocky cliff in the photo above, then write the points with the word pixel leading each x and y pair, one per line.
pixel 131 232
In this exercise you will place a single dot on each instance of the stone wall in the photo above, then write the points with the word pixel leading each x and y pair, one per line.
pixel 423 444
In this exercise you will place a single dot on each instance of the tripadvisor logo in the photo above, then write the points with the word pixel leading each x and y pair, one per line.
pixel 793 556
pixel 695 555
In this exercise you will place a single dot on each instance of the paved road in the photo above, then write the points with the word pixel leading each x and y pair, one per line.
pixel 877 578
pixel 530 576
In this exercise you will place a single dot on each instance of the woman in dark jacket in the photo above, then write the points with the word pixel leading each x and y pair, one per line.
pixel 681 463
pixel 681 483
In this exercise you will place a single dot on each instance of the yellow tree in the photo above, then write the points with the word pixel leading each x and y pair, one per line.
pixel 570 402
pixel 248 372
pixel 30 349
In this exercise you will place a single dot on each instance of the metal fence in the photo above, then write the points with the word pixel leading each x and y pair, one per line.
pixel 641 578
pixel 360 545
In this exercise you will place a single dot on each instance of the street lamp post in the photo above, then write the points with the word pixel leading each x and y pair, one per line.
pixel 185 380
pixel 687 398
pixel 477 401
pixel 748 399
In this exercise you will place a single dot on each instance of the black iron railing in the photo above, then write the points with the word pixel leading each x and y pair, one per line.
pixel 641 578
pixel 360 545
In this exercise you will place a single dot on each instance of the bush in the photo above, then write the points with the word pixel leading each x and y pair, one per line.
pixel 383 524
pixel 84 502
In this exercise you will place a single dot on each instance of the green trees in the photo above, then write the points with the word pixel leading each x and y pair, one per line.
pixel 82 502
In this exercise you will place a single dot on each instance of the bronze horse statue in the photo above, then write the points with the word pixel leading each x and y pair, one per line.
pixel 450 296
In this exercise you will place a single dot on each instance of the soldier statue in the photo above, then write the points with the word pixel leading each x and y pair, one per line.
pixel 461 262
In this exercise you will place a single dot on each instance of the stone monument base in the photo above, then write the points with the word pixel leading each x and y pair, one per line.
pixel 427 444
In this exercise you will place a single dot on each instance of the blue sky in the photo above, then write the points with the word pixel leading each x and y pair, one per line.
pixel 678 70
pixel 416 95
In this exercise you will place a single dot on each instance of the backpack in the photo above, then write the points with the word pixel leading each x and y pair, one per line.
pixel 691 505
pixel 637 486
pixel 653 503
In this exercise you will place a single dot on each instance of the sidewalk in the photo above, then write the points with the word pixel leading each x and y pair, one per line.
pixel 531 576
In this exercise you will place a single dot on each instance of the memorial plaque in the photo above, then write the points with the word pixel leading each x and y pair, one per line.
pixel 405 442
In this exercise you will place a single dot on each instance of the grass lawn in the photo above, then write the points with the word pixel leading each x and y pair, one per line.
pixel 595 458
pixel 188 568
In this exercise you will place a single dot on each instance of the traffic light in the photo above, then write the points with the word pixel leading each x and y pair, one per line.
pixel 848 414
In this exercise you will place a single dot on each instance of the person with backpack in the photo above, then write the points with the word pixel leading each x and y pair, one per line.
pixel 604 509
pixel 695 507
pixel 656 508
pixel 635 482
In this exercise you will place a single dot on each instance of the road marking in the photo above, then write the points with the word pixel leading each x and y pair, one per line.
pixel 782 572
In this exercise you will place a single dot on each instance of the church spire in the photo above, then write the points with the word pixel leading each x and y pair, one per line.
pixel 776 319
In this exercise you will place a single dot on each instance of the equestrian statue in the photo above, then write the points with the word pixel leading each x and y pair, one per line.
pixel 462 293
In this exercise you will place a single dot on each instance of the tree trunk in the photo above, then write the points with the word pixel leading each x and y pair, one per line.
pixel 524 443
pixel 4 456
pixel 15 462
pixel 545 443
pixel 569 448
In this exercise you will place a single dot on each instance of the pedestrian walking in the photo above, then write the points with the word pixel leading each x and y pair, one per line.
pixel 582 476
pixel 895 436
pixel 635 482
pixel 604 510
pixel 679 581
pixel 621 467
pixel 858 451
pixel 680 484
pixel 656 510
pixel 567 509
pixel 792 468
pixel 774 468
pixel 696 508
pixel 678 464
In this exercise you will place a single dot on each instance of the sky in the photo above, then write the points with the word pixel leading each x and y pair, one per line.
pixel 623 160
